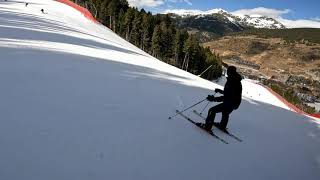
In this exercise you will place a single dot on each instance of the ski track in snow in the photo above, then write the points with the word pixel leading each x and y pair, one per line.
pixel 79 102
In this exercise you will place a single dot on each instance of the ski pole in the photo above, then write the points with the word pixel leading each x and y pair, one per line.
pixel 188 108
pixel 207 105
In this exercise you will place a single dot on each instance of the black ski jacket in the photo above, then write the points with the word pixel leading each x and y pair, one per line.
pixel 232 92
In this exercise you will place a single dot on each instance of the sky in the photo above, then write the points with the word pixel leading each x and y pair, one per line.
pixel 291 12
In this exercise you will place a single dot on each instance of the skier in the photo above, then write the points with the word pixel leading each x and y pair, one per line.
pixel 231 100
pixel 42 10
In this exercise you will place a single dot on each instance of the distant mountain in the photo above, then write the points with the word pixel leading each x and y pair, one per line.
pixel 256 21
pixel 218 22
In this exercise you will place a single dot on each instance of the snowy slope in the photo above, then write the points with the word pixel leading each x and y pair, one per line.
pixel 79 102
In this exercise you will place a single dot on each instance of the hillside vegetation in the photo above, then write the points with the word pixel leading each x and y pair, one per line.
pixel 311 35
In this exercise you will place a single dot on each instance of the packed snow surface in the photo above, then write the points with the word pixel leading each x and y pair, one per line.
pixel 79 102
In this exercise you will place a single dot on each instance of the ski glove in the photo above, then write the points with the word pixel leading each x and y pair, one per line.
pixel 218 91
pixel 210 98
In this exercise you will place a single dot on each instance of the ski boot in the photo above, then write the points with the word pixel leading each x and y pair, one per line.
pixel 204 126
pixel 218 125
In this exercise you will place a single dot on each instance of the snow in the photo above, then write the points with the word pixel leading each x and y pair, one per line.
pixel 315 105
pixel 261 22
pixel 79 102
pixel 194 12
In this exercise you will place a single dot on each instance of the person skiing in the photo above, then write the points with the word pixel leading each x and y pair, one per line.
pixel 231 100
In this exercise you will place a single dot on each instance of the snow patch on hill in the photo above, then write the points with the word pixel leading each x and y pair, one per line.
pixel 186 12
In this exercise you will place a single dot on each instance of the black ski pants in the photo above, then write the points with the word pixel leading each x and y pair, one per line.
pixel 224 109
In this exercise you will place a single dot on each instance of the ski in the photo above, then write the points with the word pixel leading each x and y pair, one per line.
pixel 193 122
pixel 226 132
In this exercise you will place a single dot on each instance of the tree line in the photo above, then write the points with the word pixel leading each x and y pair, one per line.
pixel 156 35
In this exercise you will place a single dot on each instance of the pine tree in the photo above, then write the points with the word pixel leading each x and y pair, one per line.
pixel 104 14
pixel 192 52
pixel 97 3
pixel 180 37
pixel 146 32
pixel 135 35
pixel 129 16
pixel 121 23
pixel 142 11
pixel 156 41
pixel 215 62
pixel 188 49
pixel 199 63
pixel 113 9
pixel 167 20
pixel 124 4
pixel 177 45
pixel 166 41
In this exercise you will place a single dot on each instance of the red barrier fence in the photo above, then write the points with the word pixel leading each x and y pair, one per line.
pixel 291 106
pixel 315 115
pixel 84 11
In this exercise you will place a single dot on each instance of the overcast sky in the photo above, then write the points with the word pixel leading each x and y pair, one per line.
pixel 292 13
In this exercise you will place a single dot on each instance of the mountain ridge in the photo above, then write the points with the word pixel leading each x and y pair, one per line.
pixel 256 21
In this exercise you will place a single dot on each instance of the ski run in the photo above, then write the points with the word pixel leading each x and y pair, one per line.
pixel 79 102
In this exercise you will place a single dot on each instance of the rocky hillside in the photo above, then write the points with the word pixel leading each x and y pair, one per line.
pixel 207 27
pixel 296 64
